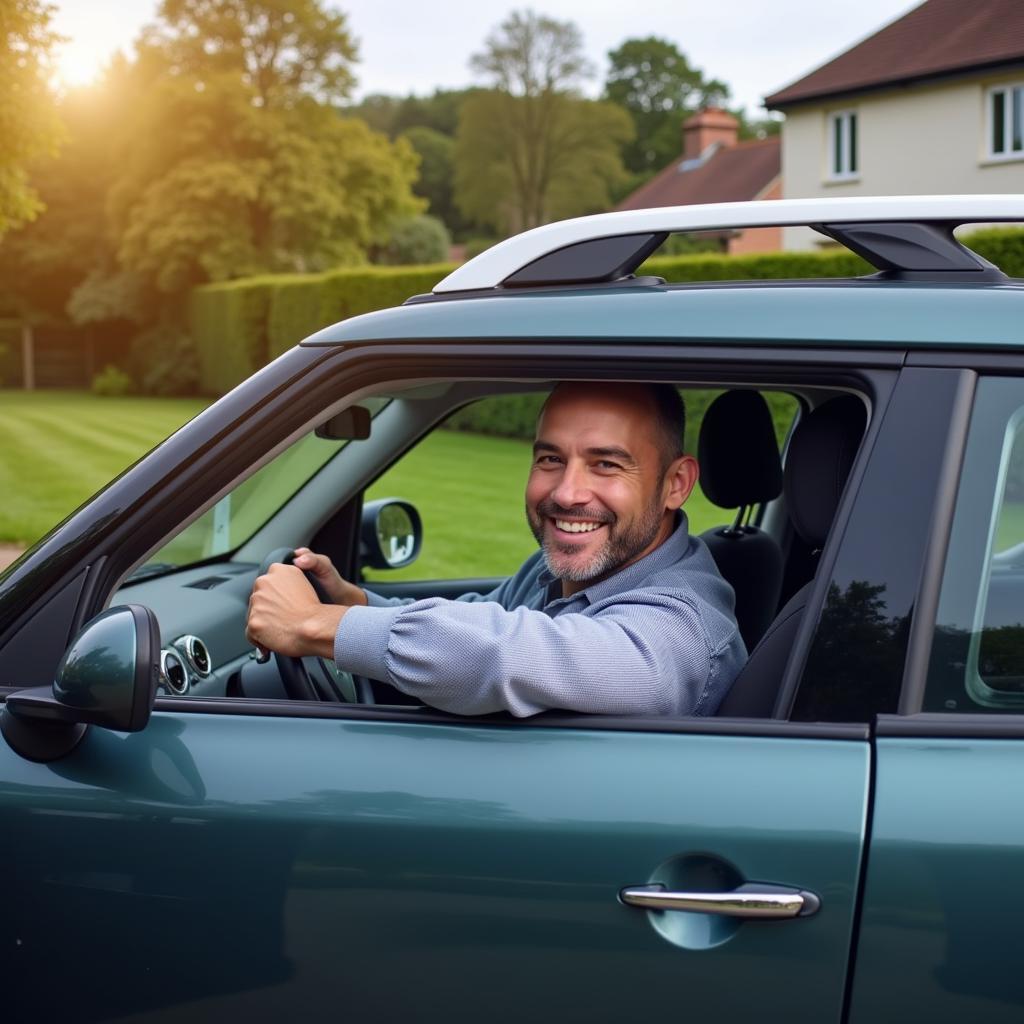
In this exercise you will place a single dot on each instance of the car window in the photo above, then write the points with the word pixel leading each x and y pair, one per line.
pixel 977 657
pixel 466 480
pixel 241 512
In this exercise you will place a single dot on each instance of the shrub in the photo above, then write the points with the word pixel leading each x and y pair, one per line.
pixel 163 361
pixel 414 240
pixel 475 246
pixel 229 325
pixel 111 382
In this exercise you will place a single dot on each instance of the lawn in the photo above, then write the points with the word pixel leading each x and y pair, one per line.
pixel 60 447
pixel 469 490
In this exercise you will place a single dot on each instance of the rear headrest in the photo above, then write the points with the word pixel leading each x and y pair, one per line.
pixel 737 451
pixel 820 455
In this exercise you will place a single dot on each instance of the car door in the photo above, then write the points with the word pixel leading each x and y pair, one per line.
pixel 280 859
pixel 944 894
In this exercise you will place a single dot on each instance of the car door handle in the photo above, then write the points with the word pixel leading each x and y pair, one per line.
pixel 753 900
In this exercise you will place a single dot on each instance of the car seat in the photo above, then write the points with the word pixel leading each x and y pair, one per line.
pixel 740 468
pixel 818 462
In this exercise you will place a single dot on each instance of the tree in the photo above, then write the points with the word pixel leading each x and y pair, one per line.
pixel 653 80
pixel 531 149
pixel 29 125
pixel 247 167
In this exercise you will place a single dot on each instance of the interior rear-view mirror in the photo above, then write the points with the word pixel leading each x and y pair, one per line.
pixel 351 424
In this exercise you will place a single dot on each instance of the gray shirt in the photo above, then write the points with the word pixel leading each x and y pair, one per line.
pixel 657 638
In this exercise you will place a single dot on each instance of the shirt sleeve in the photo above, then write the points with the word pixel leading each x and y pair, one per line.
pixel 648 654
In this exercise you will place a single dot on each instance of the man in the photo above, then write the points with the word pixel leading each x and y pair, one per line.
pixel 620 612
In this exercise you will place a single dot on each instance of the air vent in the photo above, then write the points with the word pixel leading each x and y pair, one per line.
pixel 208 582
pixel 197 653
pixel 172 673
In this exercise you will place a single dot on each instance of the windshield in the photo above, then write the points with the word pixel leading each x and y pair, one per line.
pixel 240 513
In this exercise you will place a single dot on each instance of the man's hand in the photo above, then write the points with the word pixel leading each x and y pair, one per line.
pixel 339 590
pixel 285 615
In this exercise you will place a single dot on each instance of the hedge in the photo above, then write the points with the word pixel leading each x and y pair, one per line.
pixel 240 325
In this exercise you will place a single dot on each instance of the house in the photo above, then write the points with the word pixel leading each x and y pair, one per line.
pixel 932 103
pixel 716 168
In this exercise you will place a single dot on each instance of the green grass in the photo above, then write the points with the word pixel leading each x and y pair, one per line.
pixel 60 447
pixel 469 490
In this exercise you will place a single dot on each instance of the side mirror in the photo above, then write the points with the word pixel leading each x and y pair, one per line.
pixel 391 534
pixel 107 677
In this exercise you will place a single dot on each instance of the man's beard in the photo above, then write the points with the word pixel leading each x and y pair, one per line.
pixel 620 546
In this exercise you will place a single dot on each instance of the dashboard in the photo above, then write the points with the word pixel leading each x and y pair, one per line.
pixel 202 612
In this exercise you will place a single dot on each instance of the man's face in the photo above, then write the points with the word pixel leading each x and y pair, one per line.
pixel 598 497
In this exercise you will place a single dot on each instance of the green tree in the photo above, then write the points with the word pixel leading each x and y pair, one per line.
pixel 531 149
pixel 653 80
pixel 248 167
pixel 29 125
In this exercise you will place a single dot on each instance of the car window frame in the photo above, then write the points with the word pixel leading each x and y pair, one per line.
pixel 340 372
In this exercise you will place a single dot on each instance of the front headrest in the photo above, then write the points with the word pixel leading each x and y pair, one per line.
pixel 737 451
pixel 821 453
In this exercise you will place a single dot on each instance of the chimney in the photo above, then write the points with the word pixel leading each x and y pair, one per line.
pixel 707 127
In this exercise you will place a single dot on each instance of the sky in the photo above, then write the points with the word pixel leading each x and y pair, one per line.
pixel 754 46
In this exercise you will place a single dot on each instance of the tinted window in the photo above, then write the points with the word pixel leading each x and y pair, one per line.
pixel 977 661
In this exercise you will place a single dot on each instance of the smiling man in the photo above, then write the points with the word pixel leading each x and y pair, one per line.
pixel 621 611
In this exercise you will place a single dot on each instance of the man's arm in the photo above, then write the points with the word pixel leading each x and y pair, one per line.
pixel 646 655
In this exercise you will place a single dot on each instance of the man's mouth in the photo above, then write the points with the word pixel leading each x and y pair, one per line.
pixel 577 525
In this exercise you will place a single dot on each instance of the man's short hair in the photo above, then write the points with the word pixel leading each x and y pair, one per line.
pixel 669 411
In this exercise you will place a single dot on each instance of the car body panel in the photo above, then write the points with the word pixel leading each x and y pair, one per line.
pixel 944 889
pixel 217 865
pixel 861 313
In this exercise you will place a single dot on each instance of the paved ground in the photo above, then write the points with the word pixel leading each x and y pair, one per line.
pixel 8 553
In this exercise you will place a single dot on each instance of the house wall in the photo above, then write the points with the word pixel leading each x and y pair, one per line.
pixel 916 140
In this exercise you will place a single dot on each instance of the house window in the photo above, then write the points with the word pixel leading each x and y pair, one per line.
pixel 1006 122
pixel 842 145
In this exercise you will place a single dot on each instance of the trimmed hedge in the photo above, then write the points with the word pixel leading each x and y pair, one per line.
pixel 241 325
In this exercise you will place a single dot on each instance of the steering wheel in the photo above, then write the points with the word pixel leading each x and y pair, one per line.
pixel 295 677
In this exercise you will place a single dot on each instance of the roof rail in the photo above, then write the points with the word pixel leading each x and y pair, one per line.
pixel 909 237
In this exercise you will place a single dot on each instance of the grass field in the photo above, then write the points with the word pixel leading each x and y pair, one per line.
pixel 59 447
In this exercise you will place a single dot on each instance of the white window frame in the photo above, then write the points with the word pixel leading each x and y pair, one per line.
pixel 1007 90
pixel 846 123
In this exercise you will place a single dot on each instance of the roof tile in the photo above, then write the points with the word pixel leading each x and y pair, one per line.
pixel 938 37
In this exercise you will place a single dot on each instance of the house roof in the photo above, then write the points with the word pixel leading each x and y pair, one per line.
pixel 940 37
pixel 730 174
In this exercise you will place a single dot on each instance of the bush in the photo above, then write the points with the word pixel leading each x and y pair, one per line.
pixel 163 361
pixel 475 246
pixel 111 382
pixel 229 325
pixel 240 325
pixel 422 239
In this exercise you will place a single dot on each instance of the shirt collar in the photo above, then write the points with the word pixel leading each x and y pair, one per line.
pixel 665 554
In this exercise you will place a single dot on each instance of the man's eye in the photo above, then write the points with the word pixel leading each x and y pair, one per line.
pixel 605 464
pixel 547 460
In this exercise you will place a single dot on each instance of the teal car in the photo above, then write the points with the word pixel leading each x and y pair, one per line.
pixel 191 833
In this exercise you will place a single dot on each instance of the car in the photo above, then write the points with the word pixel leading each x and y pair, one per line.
pixel 193 833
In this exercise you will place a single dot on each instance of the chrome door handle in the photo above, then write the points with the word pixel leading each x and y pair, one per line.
pixel 762 901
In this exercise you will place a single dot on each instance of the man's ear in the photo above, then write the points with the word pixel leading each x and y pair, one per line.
pixel 680 479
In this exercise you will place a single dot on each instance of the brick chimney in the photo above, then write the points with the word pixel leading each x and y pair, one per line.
pixel 707 127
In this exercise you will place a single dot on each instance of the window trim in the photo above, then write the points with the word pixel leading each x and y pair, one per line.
pixel 1006 90
pixel 842 150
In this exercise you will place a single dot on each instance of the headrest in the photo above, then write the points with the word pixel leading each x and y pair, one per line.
pixel 737 451
pixel 821 452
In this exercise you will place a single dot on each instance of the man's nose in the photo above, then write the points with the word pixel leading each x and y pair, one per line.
pixel 573 486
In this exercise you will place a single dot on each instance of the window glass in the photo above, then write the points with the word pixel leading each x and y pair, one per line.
pixel 977 660
pixel 843 161
pixel 1006 117
pixel 467 481
pixel 239 514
